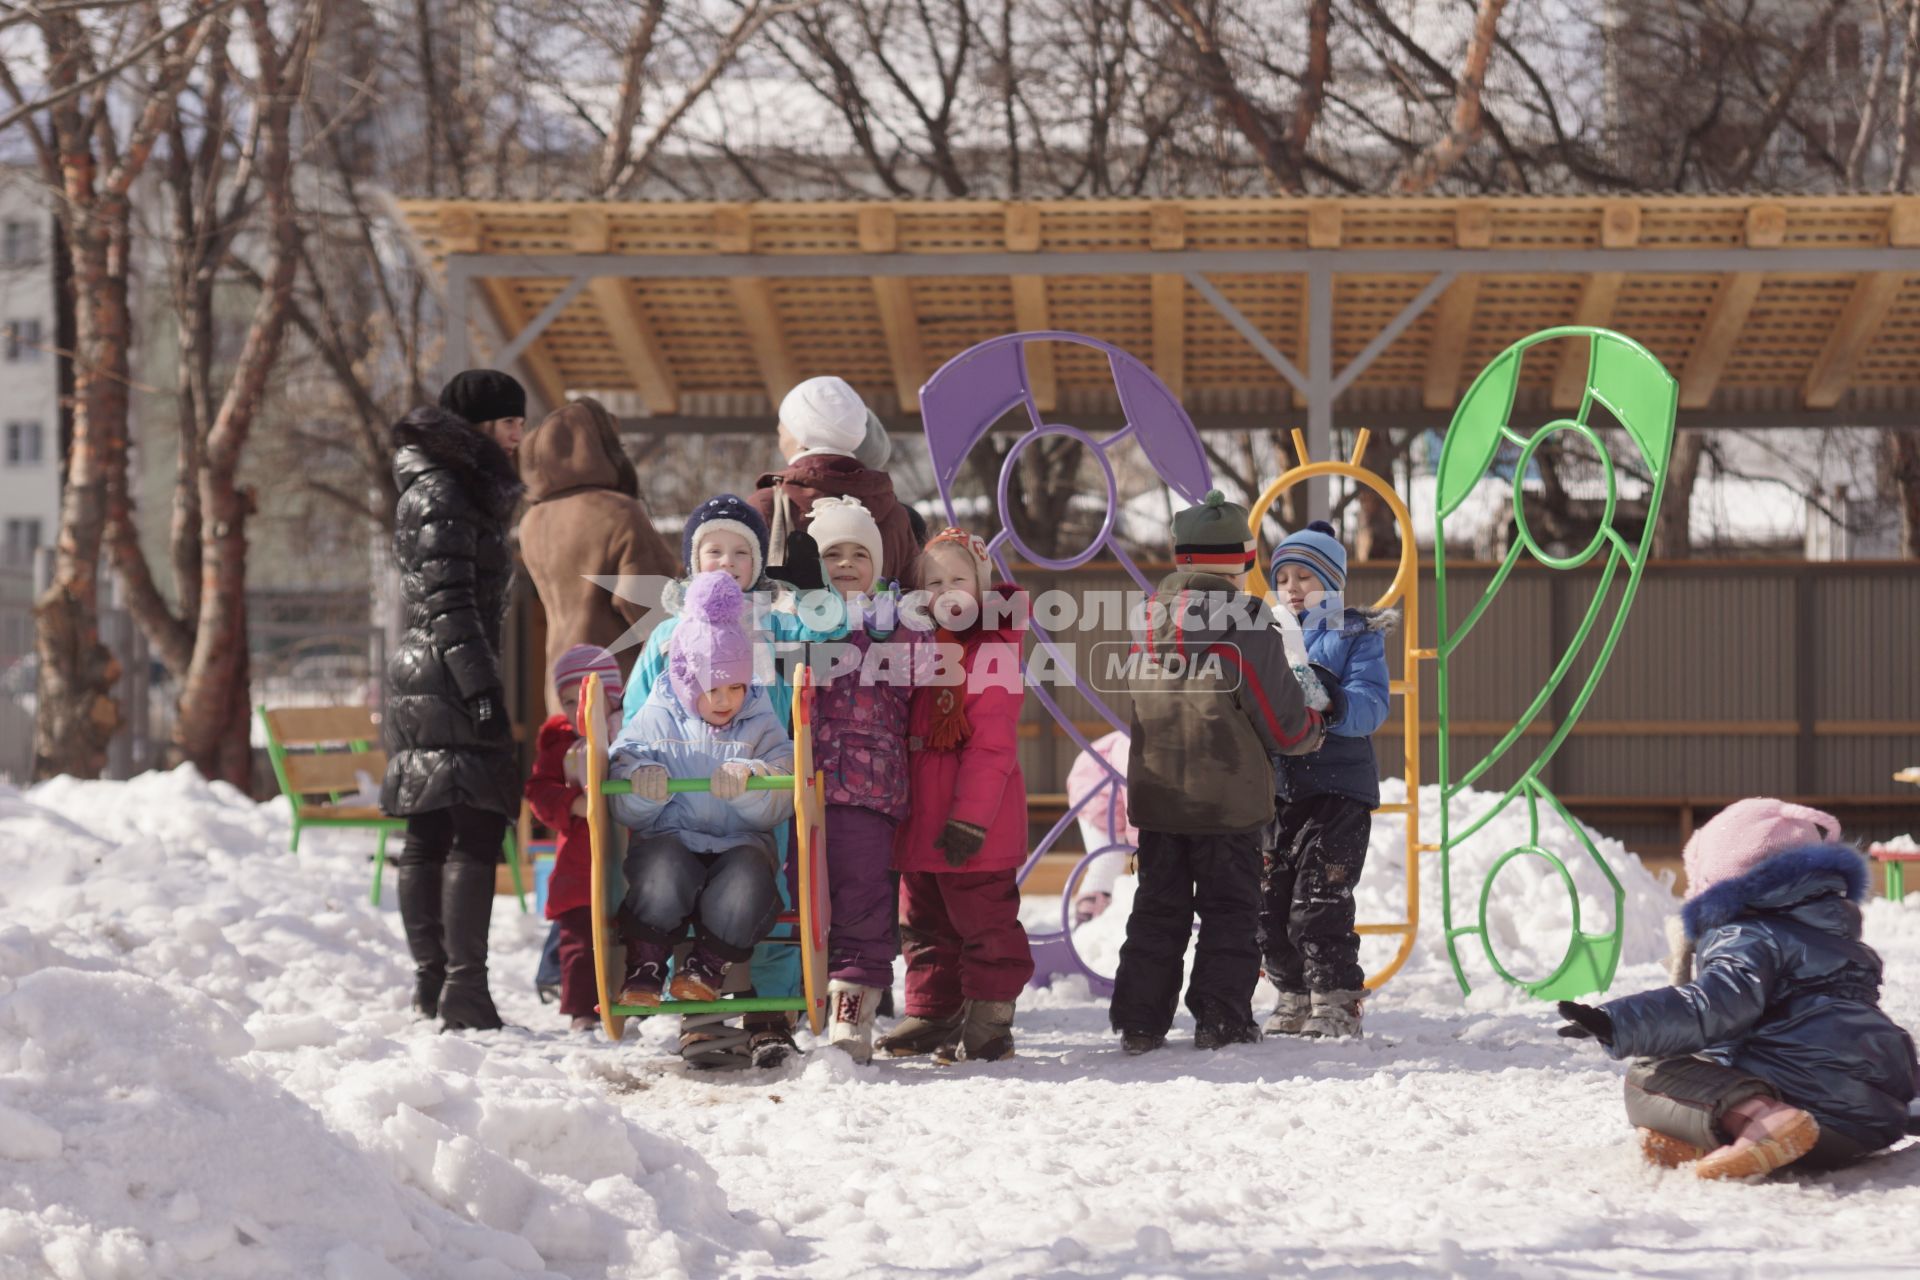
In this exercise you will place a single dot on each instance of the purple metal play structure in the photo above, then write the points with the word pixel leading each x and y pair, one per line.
pixel 959 404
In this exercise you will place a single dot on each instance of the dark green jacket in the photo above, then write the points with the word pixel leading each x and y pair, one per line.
pixel 1214 699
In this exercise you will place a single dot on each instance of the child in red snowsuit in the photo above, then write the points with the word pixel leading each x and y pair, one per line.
pixel 959 851
pixel 555 795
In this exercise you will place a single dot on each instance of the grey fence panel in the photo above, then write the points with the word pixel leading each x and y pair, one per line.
pixel 1730 679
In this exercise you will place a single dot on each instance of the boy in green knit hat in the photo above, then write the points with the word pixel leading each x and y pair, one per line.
pixel 1214 699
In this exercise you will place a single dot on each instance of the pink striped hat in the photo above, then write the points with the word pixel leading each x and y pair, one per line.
pixel 572 666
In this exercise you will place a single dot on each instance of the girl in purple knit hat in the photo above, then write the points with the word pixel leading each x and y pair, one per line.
pixel 1776 1052
pixel 704 857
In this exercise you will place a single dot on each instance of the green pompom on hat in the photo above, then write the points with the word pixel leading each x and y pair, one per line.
pixel 1215 536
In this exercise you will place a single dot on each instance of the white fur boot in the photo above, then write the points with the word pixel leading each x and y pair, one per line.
pixel 850 1008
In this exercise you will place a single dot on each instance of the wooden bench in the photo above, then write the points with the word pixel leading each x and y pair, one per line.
pixel 320 756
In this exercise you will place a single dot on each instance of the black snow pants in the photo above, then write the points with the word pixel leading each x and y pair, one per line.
pixel 1216 877
pixel 1315 849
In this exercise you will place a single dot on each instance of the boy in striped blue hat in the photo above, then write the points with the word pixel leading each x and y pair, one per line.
pixel 1323 801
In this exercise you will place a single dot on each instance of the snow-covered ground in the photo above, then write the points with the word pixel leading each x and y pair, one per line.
pixel 207 1069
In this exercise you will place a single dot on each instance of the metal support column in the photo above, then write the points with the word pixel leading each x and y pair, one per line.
pixel 455 355
pixel 514 349
pixel 1319 390
pixel 1318 387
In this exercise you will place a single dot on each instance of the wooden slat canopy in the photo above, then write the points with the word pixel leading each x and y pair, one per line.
pixel 1797 308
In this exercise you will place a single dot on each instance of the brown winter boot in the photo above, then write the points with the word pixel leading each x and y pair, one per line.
pixel 701 976
pixel 915 1035
pixel 986 1035
pixel 1667 1152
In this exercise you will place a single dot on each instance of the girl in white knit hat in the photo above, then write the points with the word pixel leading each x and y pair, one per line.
pixel 860 744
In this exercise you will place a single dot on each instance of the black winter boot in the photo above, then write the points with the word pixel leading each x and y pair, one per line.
pixel 1219 1033
pixel 769 1039
pixel 467 906
pixel 1217 1026
pixel 419 890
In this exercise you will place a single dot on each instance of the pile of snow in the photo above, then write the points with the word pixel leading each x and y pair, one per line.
pixel 207 1069
pixel 207 1066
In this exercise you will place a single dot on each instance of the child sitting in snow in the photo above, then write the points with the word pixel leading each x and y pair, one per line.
pixel 960 849
pixel 555 795
pixel 1214 696
pixel 705 857
pixel 1776 1052
pixel 1324 801
pixel 860 744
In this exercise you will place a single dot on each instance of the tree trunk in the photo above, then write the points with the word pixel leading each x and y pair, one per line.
pixel 1672 535
pixel 76 714
pixel 211 730
pixel 1379 530
pixel 1905 449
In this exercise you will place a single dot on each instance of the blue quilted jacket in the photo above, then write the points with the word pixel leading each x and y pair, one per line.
pixel 1786 990
pixel 1356 653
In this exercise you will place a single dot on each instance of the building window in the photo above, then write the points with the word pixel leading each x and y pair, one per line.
pixel 23 340
pixel 23 539
pixel 25 444
pixel 19 241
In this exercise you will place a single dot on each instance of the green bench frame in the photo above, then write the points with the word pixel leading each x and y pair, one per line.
pixel 319 752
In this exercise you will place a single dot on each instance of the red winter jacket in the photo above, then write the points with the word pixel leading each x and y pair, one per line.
pixel 551 798
pixel 978 782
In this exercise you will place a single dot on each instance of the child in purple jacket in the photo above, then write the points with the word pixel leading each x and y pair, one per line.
pixel 860 744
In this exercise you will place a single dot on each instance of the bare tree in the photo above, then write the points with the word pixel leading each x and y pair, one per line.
pixel 1465 125
pixel 1903 467
pixel 1672 534
pixel 91 154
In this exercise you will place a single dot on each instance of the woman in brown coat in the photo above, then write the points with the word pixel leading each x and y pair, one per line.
pixel 585 519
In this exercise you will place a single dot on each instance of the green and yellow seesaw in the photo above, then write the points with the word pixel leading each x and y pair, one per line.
pixel 809 922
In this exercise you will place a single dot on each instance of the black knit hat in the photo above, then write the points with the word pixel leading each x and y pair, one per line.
pixel 481 395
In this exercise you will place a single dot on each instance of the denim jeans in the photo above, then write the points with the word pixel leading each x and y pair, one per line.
pixel 730 898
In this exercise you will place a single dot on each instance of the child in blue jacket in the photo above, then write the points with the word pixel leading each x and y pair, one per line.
pixel 1776 1052
pixel 1324 801
pixel 726 535
pixel 705 857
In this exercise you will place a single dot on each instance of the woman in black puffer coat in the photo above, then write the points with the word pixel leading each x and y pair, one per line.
pixel 451 767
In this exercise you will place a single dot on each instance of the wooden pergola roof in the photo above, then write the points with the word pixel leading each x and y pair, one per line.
pixel 1771 311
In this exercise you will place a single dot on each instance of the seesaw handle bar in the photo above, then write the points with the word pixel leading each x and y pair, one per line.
pixel 681 786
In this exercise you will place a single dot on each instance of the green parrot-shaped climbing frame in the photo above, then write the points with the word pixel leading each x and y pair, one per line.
pixel 1624 378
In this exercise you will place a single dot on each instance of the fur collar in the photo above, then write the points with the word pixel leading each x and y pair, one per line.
pixel 430 439
pixel 1354 621
pixel 1360 621
pixel 1727 900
